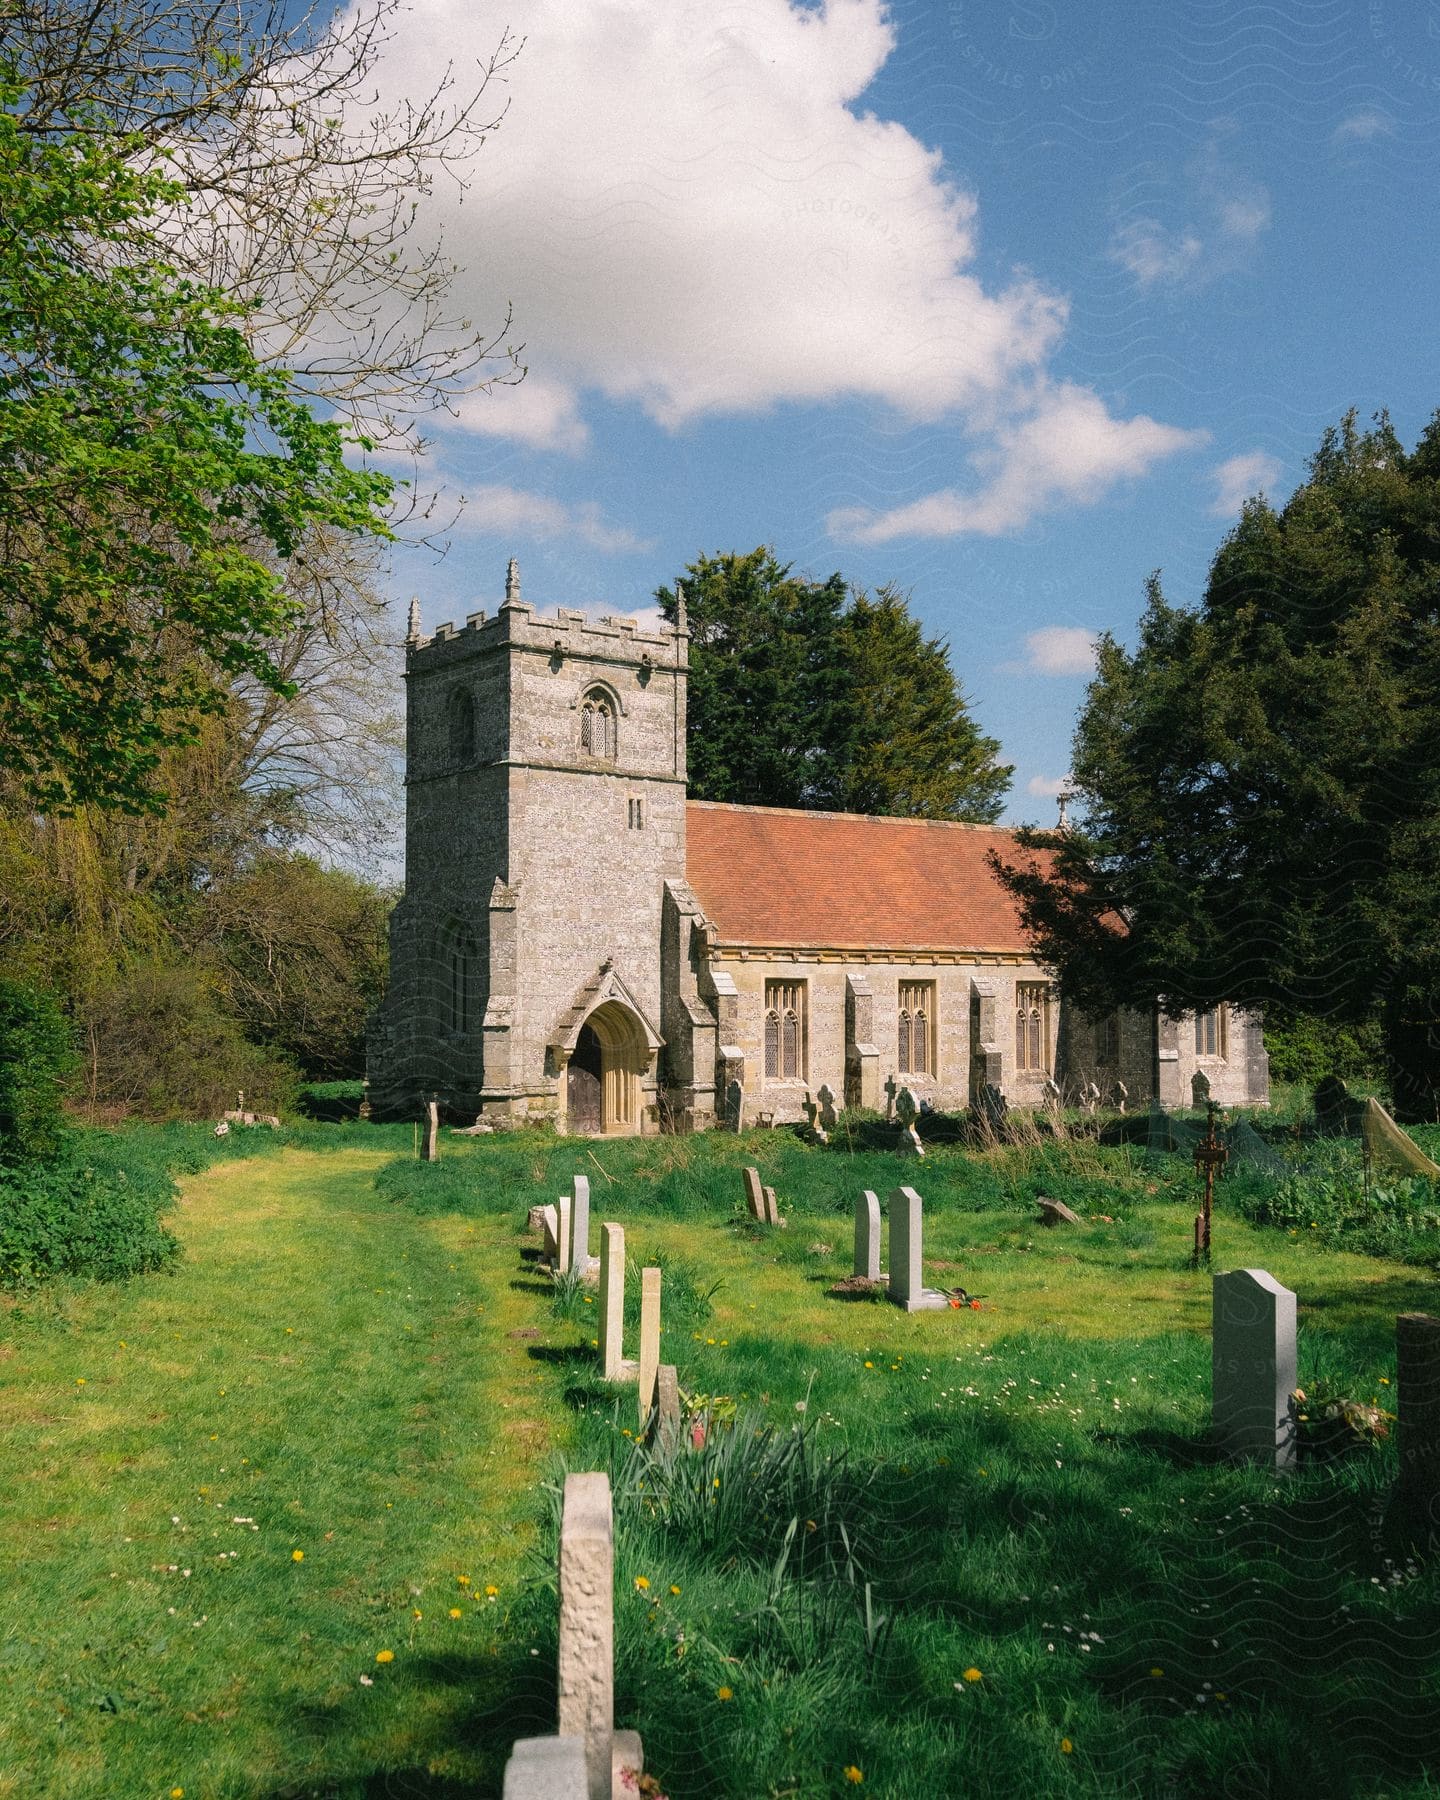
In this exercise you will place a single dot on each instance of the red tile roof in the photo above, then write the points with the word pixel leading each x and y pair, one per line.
pixel 772 876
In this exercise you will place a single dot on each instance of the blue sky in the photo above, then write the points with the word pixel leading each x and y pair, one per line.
pixel 1008 304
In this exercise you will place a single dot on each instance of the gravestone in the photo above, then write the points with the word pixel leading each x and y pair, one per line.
pixel 1253 1367
pixel 563 1216
pixel 1122 1095
pixel 1417 1377
pixel 1200 1090
pixel 907 1111
pixel 867 1236
pixel 754 1194
pixel 430 1143
pixel 667 1404
pixel 990 1110
pixel 829 1118
pixel 547 1768
pixel 735 1106
pixel 586 1662
pixel 891 1090
pixel 613 1366
pixel 772 1209
pixel 580 1260
pixel 907 1283
pixel 649 1341
pixel 550 1224
pixel 1092 1097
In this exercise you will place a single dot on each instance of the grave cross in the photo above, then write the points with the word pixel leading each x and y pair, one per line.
pixel 1210 1158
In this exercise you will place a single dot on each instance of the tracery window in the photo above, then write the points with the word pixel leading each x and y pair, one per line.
pixel 1032 1027
pixel 785 1030
pixel 1211 1032
pixel 1107 1041
pixel 916 1028
pixel 597 724
pixel 461 962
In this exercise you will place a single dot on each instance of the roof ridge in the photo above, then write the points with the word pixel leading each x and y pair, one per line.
pixel 809 812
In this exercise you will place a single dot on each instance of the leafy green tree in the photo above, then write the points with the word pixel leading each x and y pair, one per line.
pixel 1259 780
pixel 914 749
pixel 36 1055
pixel 804 694
pixel 149 461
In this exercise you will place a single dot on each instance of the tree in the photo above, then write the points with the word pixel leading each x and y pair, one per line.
pixel 144 452
pixel 1260 780
pixel 914 749
pixel 804 694
pixel 36 1054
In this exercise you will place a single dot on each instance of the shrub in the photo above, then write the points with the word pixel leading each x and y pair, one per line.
pixel 36 1054
pixel 69 1218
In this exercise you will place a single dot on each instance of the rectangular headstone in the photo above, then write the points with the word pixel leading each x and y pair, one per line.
pixel 667 1403
pixel 587 1625
pixel 550 1224
pixel 867 1236
pixel 580 1227
pixel 430 1145
pixel 649 1340
pixel 562 1233
pixel 1253 1367
pixel 1417 1376
pixel 907 1282
pixel 754 1194
pixel 547 1768
pixel 612 1303
pixel 771 1206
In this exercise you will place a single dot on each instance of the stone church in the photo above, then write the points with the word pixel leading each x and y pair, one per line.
pixel 578 942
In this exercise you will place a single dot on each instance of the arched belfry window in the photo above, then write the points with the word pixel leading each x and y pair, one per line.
pixel 460 717
pixel 597 724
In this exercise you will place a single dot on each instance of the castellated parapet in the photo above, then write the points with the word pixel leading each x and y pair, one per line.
pixel 545 796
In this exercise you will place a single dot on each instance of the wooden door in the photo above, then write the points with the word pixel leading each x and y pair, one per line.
pixel 583 1097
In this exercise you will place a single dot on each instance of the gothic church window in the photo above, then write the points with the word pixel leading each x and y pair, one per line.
pixel 1032 1028
pixel 458 996
pixel 597 725
pixel 785 1030
pixel 1211 1033
pixel 916 1023
pixel 460 717
pixel 1107 1041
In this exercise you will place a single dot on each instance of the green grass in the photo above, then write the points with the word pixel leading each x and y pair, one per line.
pixel 357 1355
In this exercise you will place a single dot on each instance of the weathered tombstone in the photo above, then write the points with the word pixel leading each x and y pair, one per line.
pixel 667 1403
pixel 907 1111
pixel 891 1090
pixel 535 1219
pixel 1253 1367
pixel 1332 1099
pixel 430 1142
pixel 547 1768
pixel 1092 1097
pixel 829 1118
pixel 735 1106
pixel 754 1194
pixel 550 1224
pixel 1200 1089
pixel 649 1340
pixel 586 1663
pixel 867 1236
pixel 1417 1376
pixel 772 1208
pixel 907 1282
pixel 991 1108
pixel 563 1214
pixel 1055 1212
pixel 613 1366
pixel 1122 1095
pixel 581 1262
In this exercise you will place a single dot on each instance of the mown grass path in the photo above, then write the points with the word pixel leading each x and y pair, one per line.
pixel 230 1490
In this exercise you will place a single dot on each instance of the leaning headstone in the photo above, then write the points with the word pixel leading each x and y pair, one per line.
pixel 430 1143
pixel 910 1144
pixel 547 1768
pixel 564 1215
pixel 1253 1367
pixel 667 1405
pixel 907 1283
pixel 867 1236
pixel 613 1366
pixel 1417 1377
pixel 586 1664
pixel 829 1118
pixel 754 1194
pixel 550 1224
pixel 1200 1089
pixel 649 1340
pixel 772 1209
pixel 1055 1212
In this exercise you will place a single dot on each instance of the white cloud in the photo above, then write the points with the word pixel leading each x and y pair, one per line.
pixel 1238 477
pixel 1151 253
pixel 1360 127
pixel 1226 212
pixel 687 211
pixel 512 512
pixel 1047 787
pixel 1066 448
pixel 1055 650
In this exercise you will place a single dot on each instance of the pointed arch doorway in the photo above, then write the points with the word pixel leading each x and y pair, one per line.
pixel 611 1054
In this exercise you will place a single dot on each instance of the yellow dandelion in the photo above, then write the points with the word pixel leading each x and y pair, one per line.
pixel 715 1482
pixel 464 1580
pixel 642 1582
pixel 724 1693
pixel 673 1588
pixel 297 1556
pixel 416 1613
pixel 492 1590
pixel 177 1794
pixel 869 1365
pixel 455 1613
pixel 1156 1674
pixel 853 1774
pixel 1066 1747
pixel 973 1675
pixel 79 1381
pixel 384 1656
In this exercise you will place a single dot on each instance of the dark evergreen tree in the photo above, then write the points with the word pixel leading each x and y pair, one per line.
pixel 1259 782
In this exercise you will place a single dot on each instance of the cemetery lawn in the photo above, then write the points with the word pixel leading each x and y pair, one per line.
pixel 357 1361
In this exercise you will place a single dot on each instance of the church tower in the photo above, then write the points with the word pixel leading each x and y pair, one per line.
pixel 545 812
